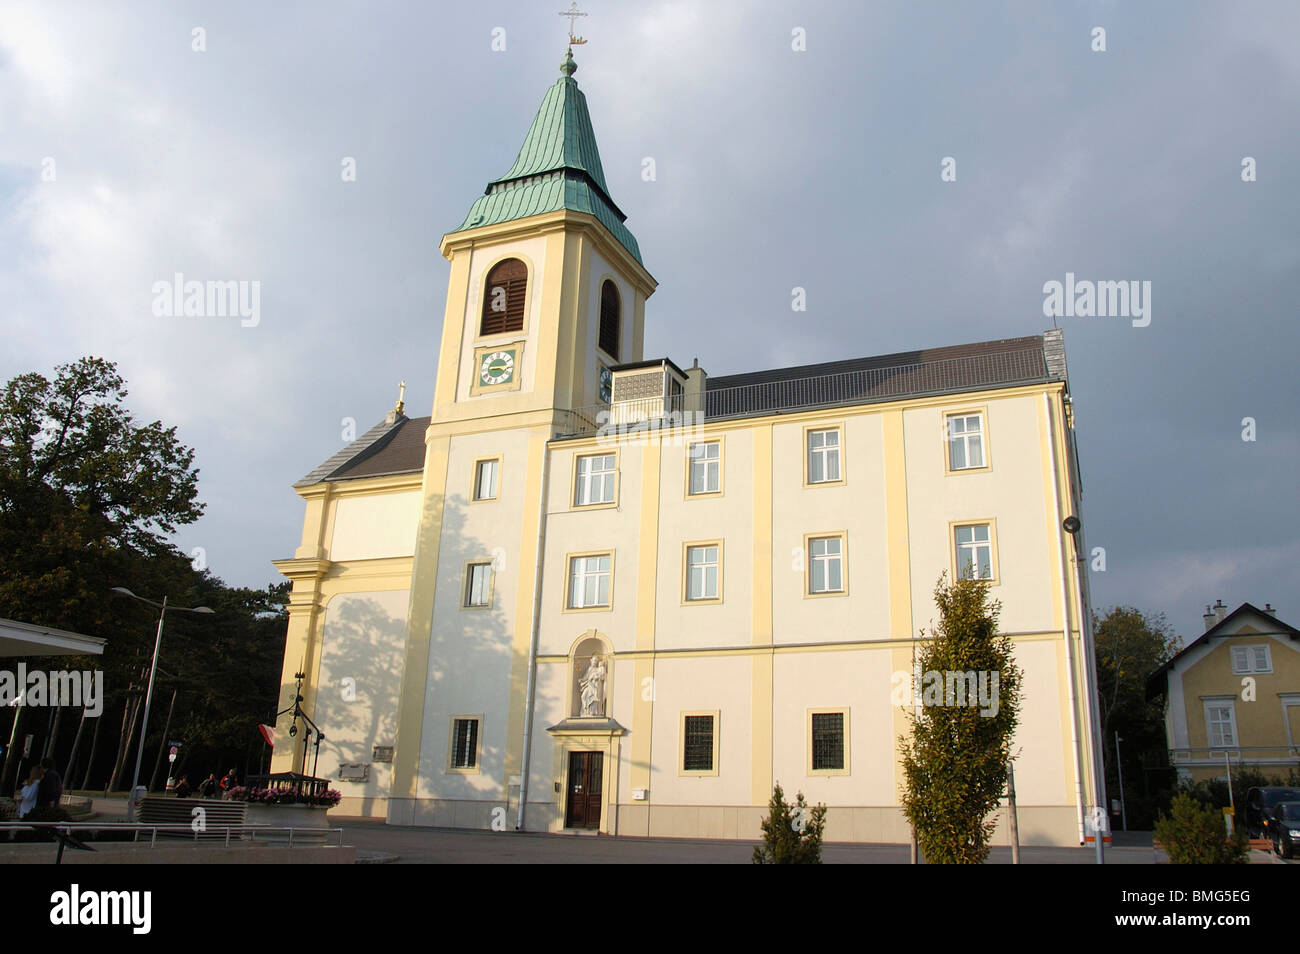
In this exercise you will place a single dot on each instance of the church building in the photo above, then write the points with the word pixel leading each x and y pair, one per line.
pixel 599 590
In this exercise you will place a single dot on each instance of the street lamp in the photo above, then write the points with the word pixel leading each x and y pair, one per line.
pixel 148 696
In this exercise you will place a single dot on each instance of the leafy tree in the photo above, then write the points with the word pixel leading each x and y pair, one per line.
pixel 1130 646
pixel 88 500
pixel 1194 834
pixel 792 834
pixel 955 761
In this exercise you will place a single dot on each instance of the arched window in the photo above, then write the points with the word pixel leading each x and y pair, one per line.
pixel 610 309
pixel 503 297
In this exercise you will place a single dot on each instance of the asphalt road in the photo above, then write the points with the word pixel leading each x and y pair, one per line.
pixel 417 845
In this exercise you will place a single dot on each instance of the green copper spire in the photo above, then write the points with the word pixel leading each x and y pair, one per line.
pixel 558 167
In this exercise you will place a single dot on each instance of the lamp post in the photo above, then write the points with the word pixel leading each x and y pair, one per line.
pixel 148 696
pixel 1123 806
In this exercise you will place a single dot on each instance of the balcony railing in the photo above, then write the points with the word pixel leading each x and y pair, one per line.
pixel 1237 755
pixel 865 386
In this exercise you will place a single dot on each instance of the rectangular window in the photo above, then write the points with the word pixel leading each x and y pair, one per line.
pixel 974 552
pixel 823 456
pixel 1251 659
pixel 464 743
pixel 702 567
pixel 965 441
pixel 595 480
pixel 698 733
pixel 485 479
pixel 706 468
pixel 478 584
pixel 589 581
pixel 828 741
pixel 826 565
pixel 1220 725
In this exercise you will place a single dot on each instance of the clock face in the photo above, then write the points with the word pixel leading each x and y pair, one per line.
pixel 606 384
pixel 497 367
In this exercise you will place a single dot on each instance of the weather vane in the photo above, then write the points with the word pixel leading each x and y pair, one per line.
pixel 572 13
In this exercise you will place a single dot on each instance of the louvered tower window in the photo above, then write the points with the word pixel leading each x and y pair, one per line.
pixel 609 316
pixel 503 297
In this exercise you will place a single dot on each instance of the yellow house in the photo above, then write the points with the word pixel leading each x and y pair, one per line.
pixel 597 592
pixel 1233 695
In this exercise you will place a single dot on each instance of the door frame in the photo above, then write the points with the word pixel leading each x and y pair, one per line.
pixel 587 735
pixel 597 757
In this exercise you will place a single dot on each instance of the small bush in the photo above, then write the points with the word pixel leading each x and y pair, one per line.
pixel 792 834
pixel 1194 834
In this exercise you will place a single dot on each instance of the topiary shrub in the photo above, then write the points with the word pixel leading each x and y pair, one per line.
pixel 792 834
pixel 1194 834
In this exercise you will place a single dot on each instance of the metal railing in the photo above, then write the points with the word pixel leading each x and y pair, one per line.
pixel 864 386
pixel 1238 755
pixel 306 836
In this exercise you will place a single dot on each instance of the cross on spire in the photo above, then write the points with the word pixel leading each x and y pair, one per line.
pixel 572 13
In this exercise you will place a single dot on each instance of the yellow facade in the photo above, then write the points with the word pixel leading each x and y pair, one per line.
pixel 823 579
pixel 1233 697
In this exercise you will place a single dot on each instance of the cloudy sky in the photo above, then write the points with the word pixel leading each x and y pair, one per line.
pixel 775 168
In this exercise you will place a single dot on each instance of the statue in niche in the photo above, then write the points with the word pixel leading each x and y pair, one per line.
pixel 592 685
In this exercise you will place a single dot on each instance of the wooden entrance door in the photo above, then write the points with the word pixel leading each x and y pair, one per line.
pixel 583 809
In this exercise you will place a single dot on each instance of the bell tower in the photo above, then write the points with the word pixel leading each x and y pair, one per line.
pixel 547 287
pixel 547 294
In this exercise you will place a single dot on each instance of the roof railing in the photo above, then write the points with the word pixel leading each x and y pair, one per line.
pixel 864 386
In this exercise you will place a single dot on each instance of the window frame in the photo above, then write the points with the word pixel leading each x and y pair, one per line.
pixel 716 716
pixel 1220 702
pixel 474 482
pixel 618 317
pixel 469 582
pixel 686 572
pixel 807 450
pixel 846 741
pixel 568 582
pixel 982 413
pixel 451 767
pixel 808 538
pixel 479 334
pixel 1251 669
pixel 577 467
pixel 721 469
pixel 954 563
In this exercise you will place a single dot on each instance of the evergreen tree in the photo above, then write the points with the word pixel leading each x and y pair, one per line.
pixel 792 834
pixel 955 761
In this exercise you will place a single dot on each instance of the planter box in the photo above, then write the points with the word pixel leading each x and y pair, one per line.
pixel 308 821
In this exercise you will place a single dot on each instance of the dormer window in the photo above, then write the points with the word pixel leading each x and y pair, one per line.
pixel 610 313
pixel 503 298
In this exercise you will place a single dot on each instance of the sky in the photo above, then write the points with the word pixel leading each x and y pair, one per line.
pixel 794 145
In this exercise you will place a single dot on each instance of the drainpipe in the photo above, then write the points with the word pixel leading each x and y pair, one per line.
pixel 533 638
pixel 1065 612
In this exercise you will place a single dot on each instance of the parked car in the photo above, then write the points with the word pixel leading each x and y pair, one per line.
pixel 1259 808
pixel 1286 828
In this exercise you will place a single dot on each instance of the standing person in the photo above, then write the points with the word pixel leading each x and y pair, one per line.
pixel 208 787
pixel 27 800
pixel 230 781
pixel 51 791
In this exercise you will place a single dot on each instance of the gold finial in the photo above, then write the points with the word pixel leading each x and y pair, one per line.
pixel 572 13
pixel 401 398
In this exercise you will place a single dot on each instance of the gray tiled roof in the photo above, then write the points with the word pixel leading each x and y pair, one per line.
pixel 390 447
pixel 985 364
